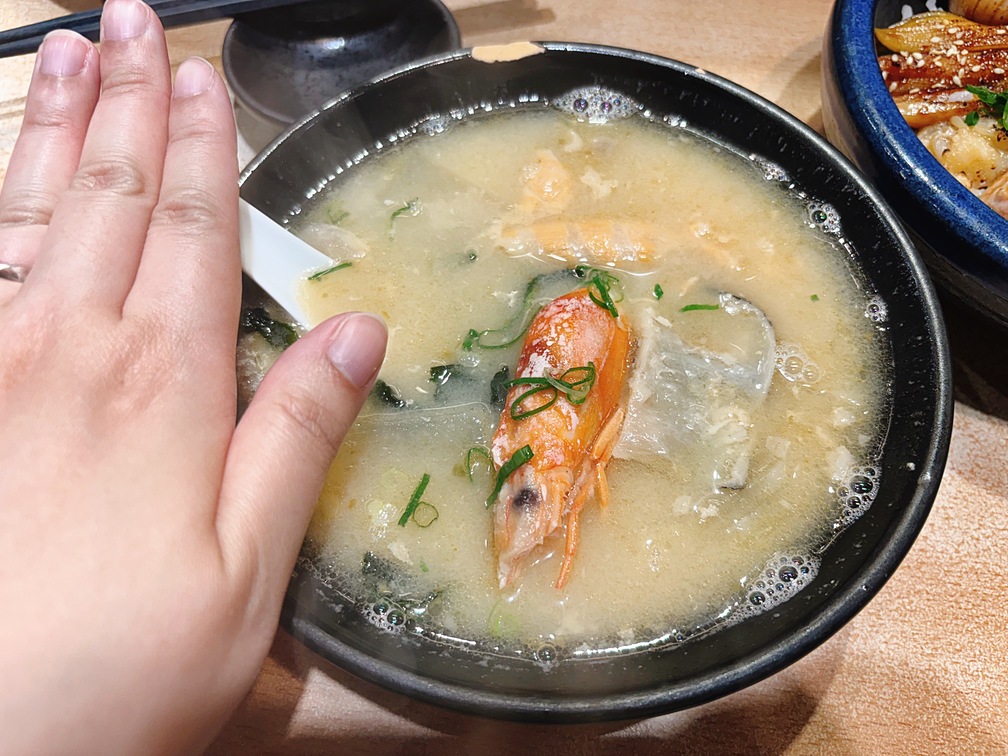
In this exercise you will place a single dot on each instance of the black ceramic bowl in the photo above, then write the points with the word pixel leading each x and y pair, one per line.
pixel 964 242
pixel 854 565
pixel 284 62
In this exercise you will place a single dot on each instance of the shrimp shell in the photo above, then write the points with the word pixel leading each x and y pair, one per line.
pixel 571 443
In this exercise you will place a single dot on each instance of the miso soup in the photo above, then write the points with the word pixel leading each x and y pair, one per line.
pixel 752 406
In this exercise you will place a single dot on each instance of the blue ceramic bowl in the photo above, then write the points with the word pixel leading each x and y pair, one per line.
pixel 963 242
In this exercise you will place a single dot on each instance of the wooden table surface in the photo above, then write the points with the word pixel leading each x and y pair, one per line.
pixel 923 669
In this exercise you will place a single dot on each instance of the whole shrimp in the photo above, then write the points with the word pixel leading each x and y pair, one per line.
pixel 571 442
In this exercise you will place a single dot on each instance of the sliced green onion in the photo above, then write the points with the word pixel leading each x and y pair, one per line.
pixel 336 214
pixel 515 328
pixel 501 623
pixel 540 384
pixel 423 566
pixel 692 307
pixel 658 291
pixel 814 297
pixel 412 207
pixel 972 118
pixel 518 459
pixel 602 285
pixel 482 451
pixel 327 271
pixel 508 333
pixel 425 514
pixel 414 501
pixel 575 390
pixel 995 102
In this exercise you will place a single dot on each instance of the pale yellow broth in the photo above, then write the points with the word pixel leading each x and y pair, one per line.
pixel 669 553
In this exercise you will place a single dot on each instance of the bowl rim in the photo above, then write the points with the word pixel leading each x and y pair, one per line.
pixel 930 187
pixel 766 660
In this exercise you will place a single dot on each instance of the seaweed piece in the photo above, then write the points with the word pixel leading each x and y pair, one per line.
pixel 389 395
pixel 375 566
pixel 452 382
pixel 279 334
pixel 499 388
pixel 414 604
pixel 441 374
pixel 393 586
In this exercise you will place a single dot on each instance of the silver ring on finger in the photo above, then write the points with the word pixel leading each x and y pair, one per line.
pixel 16 273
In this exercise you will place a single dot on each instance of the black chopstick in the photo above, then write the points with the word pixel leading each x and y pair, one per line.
pixel 26 39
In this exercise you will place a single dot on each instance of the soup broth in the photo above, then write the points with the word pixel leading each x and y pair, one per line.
pixel 755 397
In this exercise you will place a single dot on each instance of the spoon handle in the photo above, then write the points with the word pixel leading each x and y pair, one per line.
pixel 277 260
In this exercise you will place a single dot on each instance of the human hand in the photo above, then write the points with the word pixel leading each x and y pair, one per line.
pixel 145 540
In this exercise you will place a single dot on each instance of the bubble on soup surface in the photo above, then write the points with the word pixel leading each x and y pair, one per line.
pixel 596 105
pixel 794 365
pixel 383 616
pixel 857 493
pixel 310 562
pixel 783 576
pixel 434 125
pixel 876 310
pixel 546 653
pixel 824 216
pixel 771 171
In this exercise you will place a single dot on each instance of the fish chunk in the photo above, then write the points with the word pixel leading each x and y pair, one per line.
pixel 683 394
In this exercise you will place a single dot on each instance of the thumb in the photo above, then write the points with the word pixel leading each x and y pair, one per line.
pixel 286 440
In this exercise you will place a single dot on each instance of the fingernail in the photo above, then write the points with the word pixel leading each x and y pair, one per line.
pixel 358 347
pixel 123 19
pixel 63 53
pixel 193 77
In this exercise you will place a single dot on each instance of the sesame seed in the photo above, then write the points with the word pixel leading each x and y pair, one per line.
pixel 892 87
pixel 918 56
pixel 957 81
pixel 975 69
pixel 999 71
